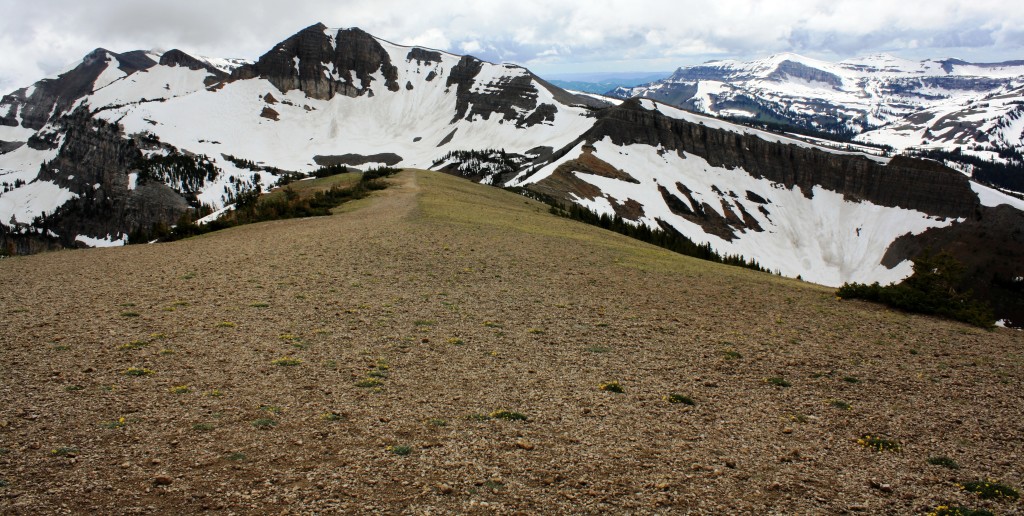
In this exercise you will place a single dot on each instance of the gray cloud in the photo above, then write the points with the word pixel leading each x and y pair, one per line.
pixel 39 38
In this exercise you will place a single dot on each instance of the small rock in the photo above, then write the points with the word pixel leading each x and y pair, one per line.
pixel 88 370
pixel 523 444
pixel 445 489
pixel 424 340
pixel 787 430
pixel 858 507
pixel 661 486
pixel 885 488
pixel 155 462
pixel 731 464
pixel 162 480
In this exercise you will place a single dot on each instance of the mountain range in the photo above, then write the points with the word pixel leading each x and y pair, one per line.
pixel 602 82
pixel 966 114
pixel 124 141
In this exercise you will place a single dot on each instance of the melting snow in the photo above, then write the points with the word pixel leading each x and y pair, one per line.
pixel 107 241
pixel 825 239
pixel 23 204
pixel 991 197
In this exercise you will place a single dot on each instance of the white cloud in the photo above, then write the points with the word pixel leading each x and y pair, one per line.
pixel 37 37
pixel 431 38
pixel 471 46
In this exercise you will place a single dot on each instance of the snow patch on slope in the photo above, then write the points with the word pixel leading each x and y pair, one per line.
pixel 824 239
pixel 107 241
pixel 111 73
pixel 32 200
pixel 991 197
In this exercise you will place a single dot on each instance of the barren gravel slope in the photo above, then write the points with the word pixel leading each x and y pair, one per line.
pixel 461 299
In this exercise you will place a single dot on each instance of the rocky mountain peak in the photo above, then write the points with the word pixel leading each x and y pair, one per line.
pixel 175 57
pixel 322 63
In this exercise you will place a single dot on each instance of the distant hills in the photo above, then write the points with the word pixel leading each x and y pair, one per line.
pixel 602 83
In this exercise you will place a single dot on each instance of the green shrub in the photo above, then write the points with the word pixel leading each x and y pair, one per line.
pixel 611 387
pixel 945 462
pixel 731 354
pixel 679 398
pixel 369 382
pixel 264 423
pixel 878 443
pixel 65 451
pixel 840 404
pixel 988 490
pixel 507 415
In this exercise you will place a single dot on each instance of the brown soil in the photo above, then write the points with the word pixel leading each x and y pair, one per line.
pixel 476 300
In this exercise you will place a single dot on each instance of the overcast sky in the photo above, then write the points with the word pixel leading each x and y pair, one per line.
pixel 40 37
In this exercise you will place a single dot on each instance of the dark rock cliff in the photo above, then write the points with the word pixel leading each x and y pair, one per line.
pixel 176 57
pixel 505 97
pixel 52 97
pixel 323 66
pixel 787 69
pixel 94 162
pixel 904 182
pixel 510 96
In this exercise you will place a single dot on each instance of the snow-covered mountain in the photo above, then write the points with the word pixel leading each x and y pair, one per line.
pixel 125 141
pixel 323 96
pixel 880 99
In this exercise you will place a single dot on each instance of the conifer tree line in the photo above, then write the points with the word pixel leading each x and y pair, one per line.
pixel 672 240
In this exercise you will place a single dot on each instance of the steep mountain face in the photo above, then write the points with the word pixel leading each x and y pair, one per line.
pixel 827 216
pixel 32 107
pixel 322 62
pixel 323 96
pixel 126 141
pixel 739 189
pixel 881 100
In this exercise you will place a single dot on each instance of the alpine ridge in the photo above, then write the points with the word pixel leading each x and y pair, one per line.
pixel 972 110
pixel 124 141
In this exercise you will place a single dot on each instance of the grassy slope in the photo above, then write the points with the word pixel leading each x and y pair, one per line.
pixel 478 300
pixel 308 187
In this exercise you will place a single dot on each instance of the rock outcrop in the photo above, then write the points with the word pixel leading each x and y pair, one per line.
pixel 94 162
pixel 323 65
pixel 904 182
pixel 34 107
pixel 176 57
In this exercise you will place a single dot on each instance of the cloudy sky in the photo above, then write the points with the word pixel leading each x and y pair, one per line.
pixel 41 37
